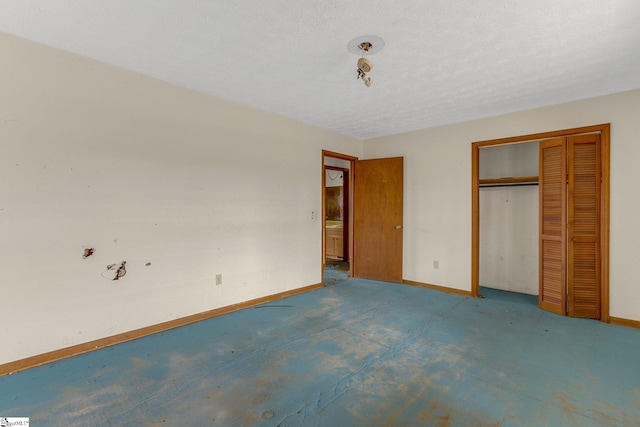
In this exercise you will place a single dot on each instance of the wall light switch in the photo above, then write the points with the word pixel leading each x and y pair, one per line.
pixel 218 279
pixel 436 264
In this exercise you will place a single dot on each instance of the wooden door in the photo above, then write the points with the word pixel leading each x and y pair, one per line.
pixel 570 189
pixel 583 228
pixel 553 189
pixel 378 198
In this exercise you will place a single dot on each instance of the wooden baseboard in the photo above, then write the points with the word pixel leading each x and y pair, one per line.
pixel 56 355
pixel 437 288
pixel 624 322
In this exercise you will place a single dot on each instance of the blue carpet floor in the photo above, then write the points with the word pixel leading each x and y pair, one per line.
pixel 336 272
pixel 356 353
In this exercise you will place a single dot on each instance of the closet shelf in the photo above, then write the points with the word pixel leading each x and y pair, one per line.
pixel 509 181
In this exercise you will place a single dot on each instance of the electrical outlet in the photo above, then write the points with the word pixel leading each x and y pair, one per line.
pixel 436 264
pixel 218 279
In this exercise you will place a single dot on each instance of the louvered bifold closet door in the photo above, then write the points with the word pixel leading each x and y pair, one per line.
pixel 553 215
pixel 583 233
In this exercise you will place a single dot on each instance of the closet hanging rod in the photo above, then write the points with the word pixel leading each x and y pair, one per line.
pixel 520 184
pixel 509 180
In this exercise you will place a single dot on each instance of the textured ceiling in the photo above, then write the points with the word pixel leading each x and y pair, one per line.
pixel 444 61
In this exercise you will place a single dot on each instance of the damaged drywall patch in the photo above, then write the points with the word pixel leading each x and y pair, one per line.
pixel 88 252
pixel 115 271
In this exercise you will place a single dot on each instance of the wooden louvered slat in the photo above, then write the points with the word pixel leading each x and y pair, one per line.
pixel 583 232
pixel 553 160
pixel 553 272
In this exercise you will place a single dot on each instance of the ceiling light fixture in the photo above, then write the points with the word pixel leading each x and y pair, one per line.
pixel 365 45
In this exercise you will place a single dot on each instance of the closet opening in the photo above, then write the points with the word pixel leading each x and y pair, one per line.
pixel 540 218
pixel 508 197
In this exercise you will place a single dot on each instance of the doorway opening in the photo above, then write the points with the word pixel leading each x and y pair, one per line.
pixel 372 219
pixel 572 216
pixel 337 215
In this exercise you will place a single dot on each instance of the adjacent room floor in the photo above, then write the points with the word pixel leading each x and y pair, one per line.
pixel 335 271
pixel 357 353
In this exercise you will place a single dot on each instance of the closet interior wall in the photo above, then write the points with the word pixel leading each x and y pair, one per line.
pixel 509 219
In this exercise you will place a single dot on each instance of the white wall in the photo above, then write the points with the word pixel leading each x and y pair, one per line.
pixel 338 163
pixel 438 189
pixel 147 172
pixel 509 220
pixel 334 178
pixel 509 239
pixel 509 160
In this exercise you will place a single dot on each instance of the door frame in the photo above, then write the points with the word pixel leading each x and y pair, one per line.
pixel 604 130
pixel 352 161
